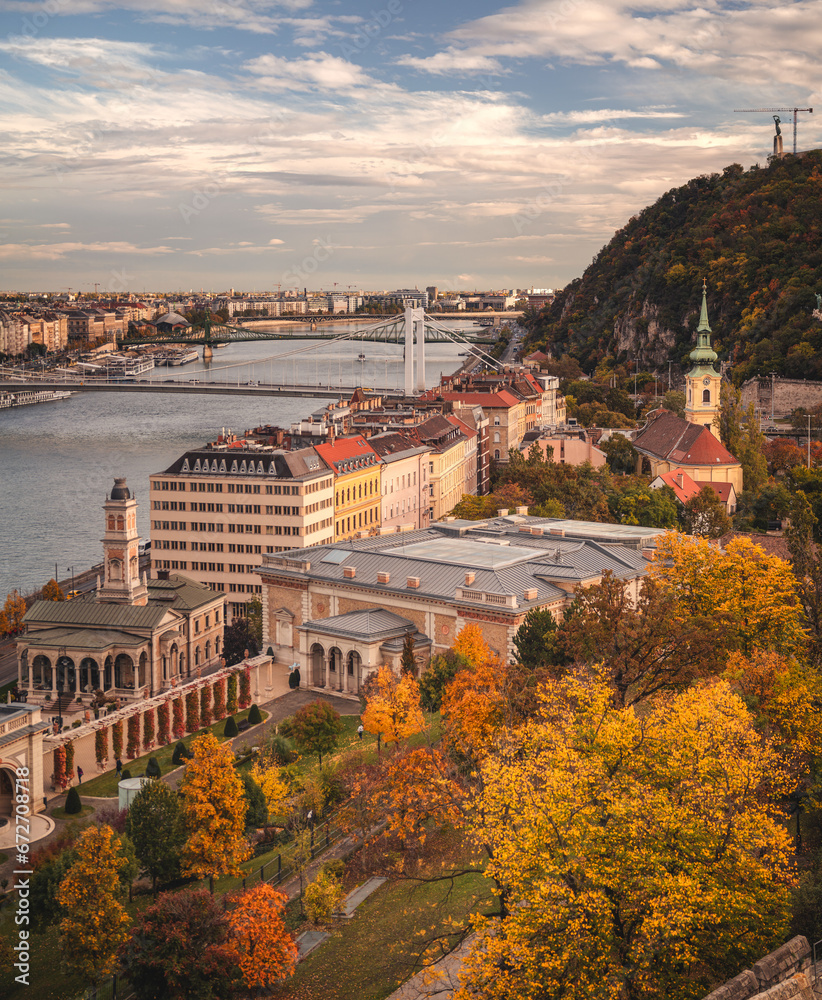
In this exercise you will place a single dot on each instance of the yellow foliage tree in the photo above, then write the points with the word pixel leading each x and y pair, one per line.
pixel 214 810
pixel 393 710
pixel 52 591
pixel 322 897
pixel 269 776
pixel 635 851
pixel 751 595
pixel 94 923
pixel 471 644
pixel 265 950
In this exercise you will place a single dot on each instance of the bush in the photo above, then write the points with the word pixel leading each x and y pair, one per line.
pixel 230 729
pixel 153 768
pixel 294 679
pixel 125 774
pixel 282 749
pixel 73 803
pixel 180 753
pixel 254 716
pixel 323 897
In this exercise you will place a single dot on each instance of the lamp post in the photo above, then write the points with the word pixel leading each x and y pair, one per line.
pixel 71 570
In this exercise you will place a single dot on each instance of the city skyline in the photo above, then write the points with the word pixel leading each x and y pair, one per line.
pixel 164 145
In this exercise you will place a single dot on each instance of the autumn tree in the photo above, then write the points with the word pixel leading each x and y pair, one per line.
pixel 155 826
pixel 806 561
pixel 739 432
pixel 637 853
pixel 213 811
pixel 705 515
pixel 782 456
pixel 268 774
pixel 643 646
pixel 420 786
pixel 441 669
pixel 471 644
pixel 316 728
pixel 94 923
pixel 750 596
pixel 52 592
pixel 408 665
pixel 11 616
pixel 474 708
pixel 264 950
pixel 393 708
pixel 179 949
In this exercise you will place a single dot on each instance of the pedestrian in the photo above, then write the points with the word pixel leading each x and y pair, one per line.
pixel 119 766
pixel 310 817
pixel 360 730
pixel 79 775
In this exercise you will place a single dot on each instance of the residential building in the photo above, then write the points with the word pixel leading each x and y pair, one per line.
pixel 565 446
pixel 404 479
pixel 15 334
pixel 343 610
pixel 506 416
pixel 357 470
pixel 452 462
pixel 217 510
pixel 685 488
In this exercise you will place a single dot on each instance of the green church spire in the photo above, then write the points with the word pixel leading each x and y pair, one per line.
pixel 703 355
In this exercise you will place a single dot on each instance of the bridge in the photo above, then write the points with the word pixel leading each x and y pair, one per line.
pixel 411 330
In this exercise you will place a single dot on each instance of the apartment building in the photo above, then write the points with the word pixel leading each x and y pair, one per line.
pixel 48 328
pixel 15 334
pixel 216 511
pixel 452 463
pixel 405 494
pixel 357 471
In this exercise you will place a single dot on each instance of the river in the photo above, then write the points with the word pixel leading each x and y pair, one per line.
pixel 58 460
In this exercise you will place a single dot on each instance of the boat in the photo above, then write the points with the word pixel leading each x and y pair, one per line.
pixel 176 358
pixel 361 357
pixel 26 397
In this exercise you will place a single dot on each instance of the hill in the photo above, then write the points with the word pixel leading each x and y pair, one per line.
pixel 755 235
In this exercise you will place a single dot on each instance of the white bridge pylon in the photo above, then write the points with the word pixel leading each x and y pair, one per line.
pixel 414 330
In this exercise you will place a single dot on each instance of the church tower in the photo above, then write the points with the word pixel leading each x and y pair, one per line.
pixel 702 381
pixel 122 583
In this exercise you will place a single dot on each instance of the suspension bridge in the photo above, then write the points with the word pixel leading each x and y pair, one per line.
pixel 408 332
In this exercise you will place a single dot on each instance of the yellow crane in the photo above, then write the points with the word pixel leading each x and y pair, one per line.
pixel 794 111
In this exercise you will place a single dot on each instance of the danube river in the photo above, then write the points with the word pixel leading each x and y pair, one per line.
pixel 58 460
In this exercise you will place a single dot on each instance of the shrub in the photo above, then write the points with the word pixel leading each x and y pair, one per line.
pixel 254 716
pixel 133 744
pixel 294 678
pixel 245 689
pixel 73 803
pixel 230 729
pixel 74 725
pixel 163 724
pixel 153 768
pixel 180 753
pixel 322 897
pixel 231 697
pixel 282 749
pixel 126 774
pixel 101 745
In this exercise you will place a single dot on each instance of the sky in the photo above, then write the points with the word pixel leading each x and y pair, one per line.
pixel 176 145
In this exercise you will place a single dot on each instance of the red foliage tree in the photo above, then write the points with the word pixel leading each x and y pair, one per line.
pixel 60 767
pixel 178 726
pixel 163 724
pixel 148 729
pixel 117 739
pixel 245 689
pixel 205 705
pixel 219 700
pixel 133 744
pixel 69 748
pixel 192 712
pixel 101 745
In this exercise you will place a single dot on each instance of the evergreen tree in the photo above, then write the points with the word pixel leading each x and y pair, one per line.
pixel 256 811
pixel 73 803
pixel 408 665
pixel 155 826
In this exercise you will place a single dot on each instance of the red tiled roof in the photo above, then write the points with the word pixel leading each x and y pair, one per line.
pixel 502 399
pixel 345 450
pixel 722 490
pixel 669 437
pixel 681 483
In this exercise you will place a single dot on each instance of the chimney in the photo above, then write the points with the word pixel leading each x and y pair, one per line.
pixel 413 582
pixel 469 579
pixel 349 572
pixel 383 577
pixel 680 481
pixel 523 511
pixel 502 512
pixel 530 595
pixel 162 574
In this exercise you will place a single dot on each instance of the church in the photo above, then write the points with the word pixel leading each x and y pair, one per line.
pixel 132 639
pixel 690 444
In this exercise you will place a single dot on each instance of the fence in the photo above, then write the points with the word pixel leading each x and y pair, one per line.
pixel 273 872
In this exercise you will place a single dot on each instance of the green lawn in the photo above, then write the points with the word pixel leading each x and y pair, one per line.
pixel 372 954
pixel 105 785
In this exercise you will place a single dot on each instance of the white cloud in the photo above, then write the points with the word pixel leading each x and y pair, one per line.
pixel 453 61
pixel 319 70
pixel 56 251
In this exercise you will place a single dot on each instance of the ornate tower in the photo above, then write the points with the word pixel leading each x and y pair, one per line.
pixel 702 381
pixel 122 583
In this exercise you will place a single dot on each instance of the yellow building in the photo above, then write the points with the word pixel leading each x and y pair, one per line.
pixel 703 381
pixel 357 490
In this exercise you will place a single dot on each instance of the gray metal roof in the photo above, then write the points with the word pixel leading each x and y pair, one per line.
pixel 372 624
pixel 84 638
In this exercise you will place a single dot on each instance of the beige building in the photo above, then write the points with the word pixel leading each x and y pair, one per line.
pixel 452 463
pixel 215 512
pixel 132 638
pixel 404 481
pixel 343 610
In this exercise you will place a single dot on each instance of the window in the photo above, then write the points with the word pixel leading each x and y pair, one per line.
pixel 496 437
pixel 706 396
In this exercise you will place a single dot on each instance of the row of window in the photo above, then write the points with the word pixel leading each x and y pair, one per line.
pixel 388 484
pixel 344 496
pixel 370 516
pixel 388 509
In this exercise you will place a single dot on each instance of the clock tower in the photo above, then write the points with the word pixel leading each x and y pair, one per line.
pixel 702 381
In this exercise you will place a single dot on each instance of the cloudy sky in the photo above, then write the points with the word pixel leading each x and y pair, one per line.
pixel 176 144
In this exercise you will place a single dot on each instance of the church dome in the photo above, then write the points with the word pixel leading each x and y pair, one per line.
pixel 120 491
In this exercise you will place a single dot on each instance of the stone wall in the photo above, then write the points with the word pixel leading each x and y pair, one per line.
pixel 788 395
pixel 784 974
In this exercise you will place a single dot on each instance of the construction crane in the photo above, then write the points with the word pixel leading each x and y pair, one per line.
pixel 794 111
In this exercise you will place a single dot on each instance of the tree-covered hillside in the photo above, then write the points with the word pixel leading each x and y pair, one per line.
pixel 755 235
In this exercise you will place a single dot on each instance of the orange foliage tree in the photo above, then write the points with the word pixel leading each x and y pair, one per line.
pixel 214 810
pixel 94 922
pixel 471 644
pixel 265 951
pixel 420 786
pixel 393 709
pixel 473 707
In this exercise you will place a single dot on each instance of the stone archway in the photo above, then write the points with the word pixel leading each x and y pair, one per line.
pixel 317 665
pixel 353 670
pixel 335 667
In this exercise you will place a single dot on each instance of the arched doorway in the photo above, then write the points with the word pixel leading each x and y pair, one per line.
pixel 107 671
pixel 353 664
pixel 66 674
pixel 317 665
pixel 335 666
pixel 6 792
pixel 89 675
pixel 123 671
pixel 41 671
